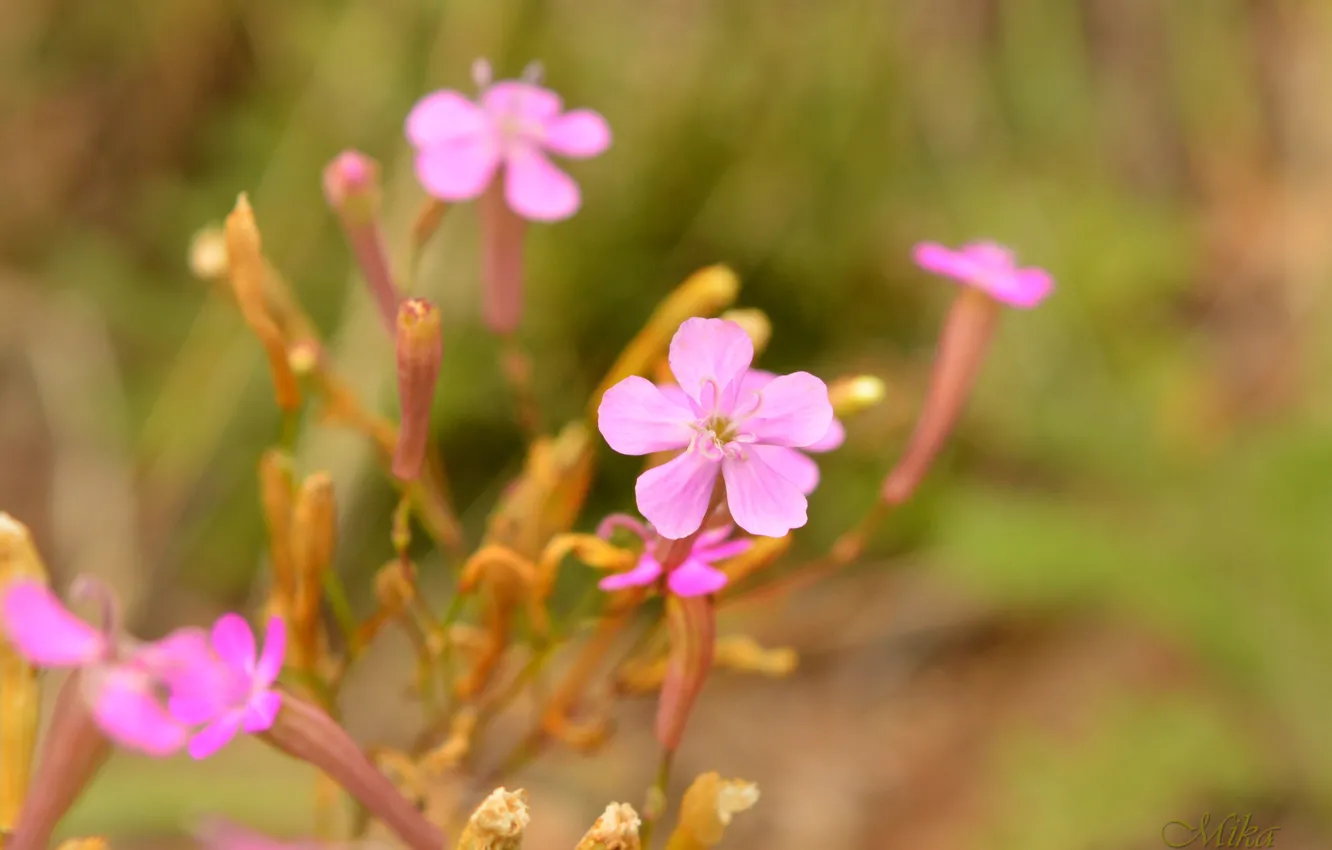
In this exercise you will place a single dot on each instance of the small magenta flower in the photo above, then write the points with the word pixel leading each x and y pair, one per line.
pixel 461 146
pixel 236 694
pixel 992 280
pixel 696 575
pixel 725 426
pixel 990 268
pixel 125 679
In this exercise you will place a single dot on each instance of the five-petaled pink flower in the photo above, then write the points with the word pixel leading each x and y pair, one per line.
pixel 125 679
pixel 726 426
pixel 794 464
pixel 696 575
pixel 990 268
pixel 460 146
pixel 236 694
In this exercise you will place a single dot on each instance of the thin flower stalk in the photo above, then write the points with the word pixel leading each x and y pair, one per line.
pixel 352 190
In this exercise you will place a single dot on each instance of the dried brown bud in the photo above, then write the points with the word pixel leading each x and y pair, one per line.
pixel 755 323
pixel 20 693
pixel 276 497
pixel 450 754
pixel 741 652
pixel 854 394
pixel 965 338
pixel 498 823
pixel 707 809
pixel 395 587
pixel 616 829
pixel 248 270
pixel 208 254
pixel 704 293
pixel 313 538
pixel 427 222
pixel 92 842
pixel 420 350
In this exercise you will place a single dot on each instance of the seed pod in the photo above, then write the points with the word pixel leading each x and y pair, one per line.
pixel 420 350
pixel 246 263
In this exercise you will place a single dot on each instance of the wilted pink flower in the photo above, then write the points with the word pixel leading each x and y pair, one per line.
pixel 460 146
pixel 794 464
pixel 696 575
pixel 236 694
pixel 125 678
pixel 990 268
pixel 725 428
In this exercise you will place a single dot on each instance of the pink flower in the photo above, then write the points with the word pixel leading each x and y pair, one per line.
pixel 725 427
pixel 460 146
pixel 990 268
pixel 694 577
pixel 794 464
pixel 125 678
pixel 236 694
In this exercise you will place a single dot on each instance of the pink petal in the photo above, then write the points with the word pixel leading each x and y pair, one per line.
pixel 536 189
pixel 694 578
pixel 178 652
pixel 722 551
pixel 1027 288
pixel 196 706
pixel 647 571
pixel 755 380
pixel 233 641
pixel 675 496
pixel 275 649
pixel 762 500
pixel 216 735
pixel 636 418
pixel 835 436
pixel 791 464
pixel 580 133
pixel 262 711
pixel 707 351
pixel 44 630
pixel 128 712
pixel 713 537
pixel 442 117
pixel 934 257
pixel 989 255
pixel 794 411
pixel 460 170
pixel 522 103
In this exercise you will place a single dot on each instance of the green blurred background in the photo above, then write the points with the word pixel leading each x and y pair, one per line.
pixel 1108 609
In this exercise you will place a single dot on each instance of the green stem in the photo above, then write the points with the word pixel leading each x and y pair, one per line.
pixel 336 594
pixel 655 805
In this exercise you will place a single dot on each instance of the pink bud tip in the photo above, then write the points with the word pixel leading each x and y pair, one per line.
pixel 990 268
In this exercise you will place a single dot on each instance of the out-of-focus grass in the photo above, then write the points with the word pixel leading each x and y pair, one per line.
pixel 1152 442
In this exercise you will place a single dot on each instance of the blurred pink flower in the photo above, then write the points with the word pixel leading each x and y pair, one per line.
pixel 460 145
pixel 125 678
pixel 696 575
pixel 235 694
pixel 990 268
pixel 725 427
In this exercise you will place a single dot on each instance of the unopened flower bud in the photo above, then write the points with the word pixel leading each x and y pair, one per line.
pixel 208 254
pixel 502 232
pixel 755 323
pixel 704 293
pixel 20 693
pixel 707 809
pixel 394 587
pixel 965 338
pixel 420 350
pixel 304 731
pixel 691 623
pixel 276 495
pixel 246 265
pixel 313 538
pixel 855 394
pixel 498 823
pixel 616 829
pixel 303 356
pixel 351 187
